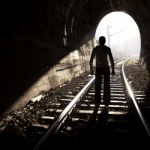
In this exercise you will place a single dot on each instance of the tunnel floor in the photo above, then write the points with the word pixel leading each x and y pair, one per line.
pixel 14 124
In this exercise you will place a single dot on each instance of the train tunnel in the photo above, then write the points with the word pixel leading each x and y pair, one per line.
pixel 45 43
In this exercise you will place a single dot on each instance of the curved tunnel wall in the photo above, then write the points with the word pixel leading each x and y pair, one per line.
pixel 32 33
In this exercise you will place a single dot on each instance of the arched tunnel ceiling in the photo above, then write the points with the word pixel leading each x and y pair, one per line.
pixel 80 17
pixel 32 32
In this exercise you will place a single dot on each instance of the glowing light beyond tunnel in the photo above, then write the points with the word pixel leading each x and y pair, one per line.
pixel 122 34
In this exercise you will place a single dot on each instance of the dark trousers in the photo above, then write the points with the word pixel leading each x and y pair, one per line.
pixel 102 73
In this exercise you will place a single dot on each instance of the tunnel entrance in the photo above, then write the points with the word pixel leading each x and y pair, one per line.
pixel 122 34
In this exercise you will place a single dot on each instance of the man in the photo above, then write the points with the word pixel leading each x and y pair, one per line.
pixel 102 53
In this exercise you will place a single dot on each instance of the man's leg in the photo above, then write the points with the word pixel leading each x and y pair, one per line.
pixel 107 86
pixel 98 82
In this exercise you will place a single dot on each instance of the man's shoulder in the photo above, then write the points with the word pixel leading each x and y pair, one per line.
pixel 107 47
pixel 95 48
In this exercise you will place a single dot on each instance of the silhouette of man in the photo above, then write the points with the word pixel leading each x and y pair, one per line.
pixel 102 53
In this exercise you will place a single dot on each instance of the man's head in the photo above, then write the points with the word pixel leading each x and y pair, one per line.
pixel 102 40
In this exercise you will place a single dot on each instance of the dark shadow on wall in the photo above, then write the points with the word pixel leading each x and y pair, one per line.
pixel 30 44
pixel 21 65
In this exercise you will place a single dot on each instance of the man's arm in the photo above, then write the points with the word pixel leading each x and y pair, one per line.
pixel 111 61
pixel 91 62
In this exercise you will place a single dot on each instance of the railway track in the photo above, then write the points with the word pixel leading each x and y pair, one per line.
pixel 123 121
pixel 70 121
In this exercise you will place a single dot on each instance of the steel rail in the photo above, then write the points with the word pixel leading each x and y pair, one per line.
pixel 133 98
pixel 64 114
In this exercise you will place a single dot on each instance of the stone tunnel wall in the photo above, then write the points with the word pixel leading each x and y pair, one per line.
pixel 72 65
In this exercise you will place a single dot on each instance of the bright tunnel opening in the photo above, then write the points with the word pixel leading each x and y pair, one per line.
pixel 122 34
